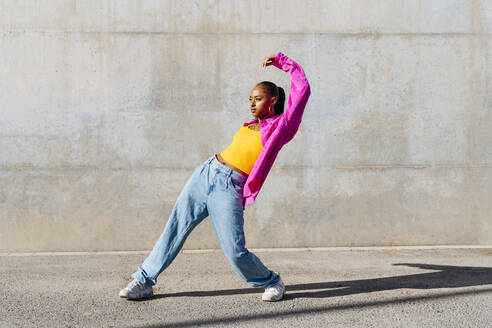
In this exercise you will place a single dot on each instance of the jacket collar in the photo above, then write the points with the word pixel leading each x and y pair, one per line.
pixel 269 120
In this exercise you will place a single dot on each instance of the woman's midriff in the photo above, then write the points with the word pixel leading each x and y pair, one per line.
pixel 222 161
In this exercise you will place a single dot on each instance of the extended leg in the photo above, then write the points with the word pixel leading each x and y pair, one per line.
pixel 189 210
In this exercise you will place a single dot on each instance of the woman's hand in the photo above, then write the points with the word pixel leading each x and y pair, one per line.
pixel 268 61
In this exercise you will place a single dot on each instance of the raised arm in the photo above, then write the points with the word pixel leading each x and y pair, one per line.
pixel 298 95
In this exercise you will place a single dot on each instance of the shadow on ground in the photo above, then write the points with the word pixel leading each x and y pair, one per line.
pixel 444 276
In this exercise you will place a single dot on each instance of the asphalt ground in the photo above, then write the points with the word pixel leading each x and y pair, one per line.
pixel 358 288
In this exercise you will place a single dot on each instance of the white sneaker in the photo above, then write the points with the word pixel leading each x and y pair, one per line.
pixel 136 289
pixel 274 293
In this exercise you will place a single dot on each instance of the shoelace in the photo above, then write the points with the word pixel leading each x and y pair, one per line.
pixel 134 283
pixel 275 288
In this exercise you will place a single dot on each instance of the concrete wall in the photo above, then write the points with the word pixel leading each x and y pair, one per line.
pixel 108 106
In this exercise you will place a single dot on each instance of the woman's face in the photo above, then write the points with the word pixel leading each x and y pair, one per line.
pixel 260 102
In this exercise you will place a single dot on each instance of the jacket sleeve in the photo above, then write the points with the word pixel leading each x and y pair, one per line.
pixel 298 95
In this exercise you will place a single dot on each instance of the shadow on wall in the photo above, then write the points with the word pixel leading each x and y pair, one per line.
pixel 447 276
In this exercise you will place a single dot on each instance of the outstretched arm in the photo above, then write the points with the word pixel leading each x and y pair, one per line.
pixel 299 91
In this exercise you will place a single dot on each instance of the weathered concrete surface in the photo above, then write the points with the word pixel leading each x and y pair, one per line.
pixel 383 288
pixel 107 106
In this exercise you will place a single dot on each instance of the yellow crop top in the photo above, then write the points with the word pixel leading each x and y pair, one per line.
pixel 244 149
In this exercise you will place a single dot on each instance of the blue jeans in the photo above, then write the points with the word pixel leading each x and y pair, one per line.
pixel 217 191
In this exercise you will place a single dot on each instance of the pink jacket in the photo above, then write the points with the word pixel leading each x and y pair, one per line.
pixel 278 130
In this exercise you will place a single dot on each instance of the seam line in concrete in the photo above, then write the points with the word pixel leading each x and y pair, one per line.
pixel 214 33
pixel 277 168
pixel 258 250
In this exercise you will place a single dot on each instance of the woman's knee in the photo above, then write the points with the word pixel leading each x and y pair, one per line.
pixel 239 256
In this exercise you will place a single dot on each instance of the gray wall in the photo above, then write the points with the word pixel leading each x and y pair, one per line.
pixel 108 106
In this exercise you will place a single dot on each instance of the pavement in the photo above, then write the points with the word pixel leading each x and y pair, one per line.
pixel 325 288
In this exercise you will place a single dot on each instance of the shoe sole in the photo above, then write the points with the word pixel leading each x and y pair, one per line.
pixel 137 298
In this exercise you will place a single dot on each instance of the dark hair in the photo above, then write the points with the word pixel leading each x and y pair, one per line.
pixel 274 91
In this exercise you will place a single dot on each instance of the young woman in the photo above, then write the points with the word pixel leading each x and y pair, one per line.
pixel 223 185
